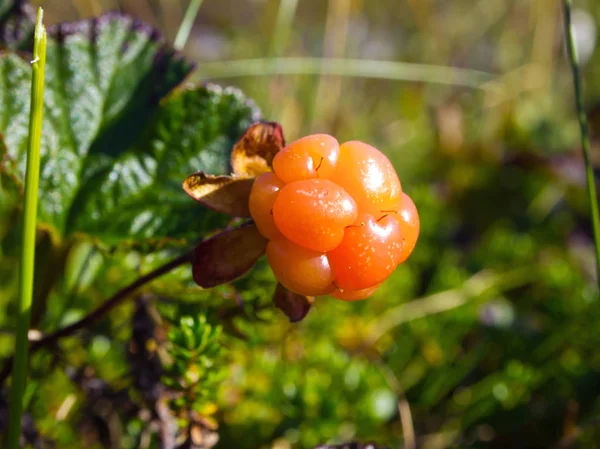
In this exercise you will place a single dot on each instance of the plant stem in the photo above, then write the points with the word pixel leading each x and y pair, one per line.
pixel 26 269
pixel 585 138
pixel 112 302
pixel 186 24
pixel 360 68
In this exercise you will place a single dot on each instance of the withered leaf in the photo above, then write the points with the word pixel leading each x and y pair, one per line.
pixel 225 194
pixel 227 256
pixel 295 306
pixel 253 154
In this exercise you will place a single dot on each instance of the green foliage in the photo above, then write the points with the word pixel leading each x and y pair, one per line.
pixel 112 150
pixel 197 367
pixel 495 175
pixel 304 391
pixel 16 24
pixel 11 188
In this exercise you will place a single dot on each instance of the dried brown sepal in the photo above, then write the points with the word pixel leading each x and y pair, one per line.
pixel 224 194
pixel 253 154
pixel 295 306
pixel 227 256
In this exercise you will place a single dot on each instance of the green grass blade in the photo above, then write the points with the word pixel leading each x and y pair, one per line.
pixel 19 373
pixel 585 138
pixel 283 24
pixel 281 35
pixel 186 24
pixel 359 68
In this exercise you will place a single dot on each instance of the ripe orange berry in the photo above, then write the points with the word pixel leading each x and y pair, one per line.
pixel 368 253
pixel 313 213
pixel 355 295
pixel 307 158
pixel 262 197
pixel 408 218
pixel 336 217
pixel 369 177
pixel 299 269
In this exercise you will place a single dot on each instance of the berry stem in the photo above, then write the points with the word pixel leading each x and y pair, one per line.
pixel 583 126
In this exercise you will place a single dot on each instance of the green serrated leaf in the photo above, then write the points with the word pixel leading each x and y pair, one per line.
pixel 116 148
pixel 140 194
pixel 99 74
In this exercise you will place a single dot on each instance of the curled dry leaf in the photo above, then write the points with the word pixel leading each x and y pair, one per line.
pixel 253 154
pixel 227 256
pixel 224 194
pixel 295 306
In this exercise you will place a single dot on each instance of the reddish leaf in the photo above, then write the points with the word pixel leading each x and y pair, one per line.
pixel 295 306
pixel 227 256
pixel 221 193
pixel 253 154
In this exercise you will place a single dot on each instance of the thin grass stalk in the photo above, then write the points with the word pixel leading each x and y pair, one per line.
pixel 583 127
pixel 281 35
pixel 186 24
pixel 359 68
pixel 26 268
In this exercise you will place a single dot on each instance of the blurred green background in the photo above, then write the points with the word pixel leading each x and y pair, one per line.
pixel 488 337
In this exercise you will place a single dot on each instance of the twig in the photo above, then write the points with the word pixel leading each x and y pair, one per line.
pixel 585 139
pixel 115 300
